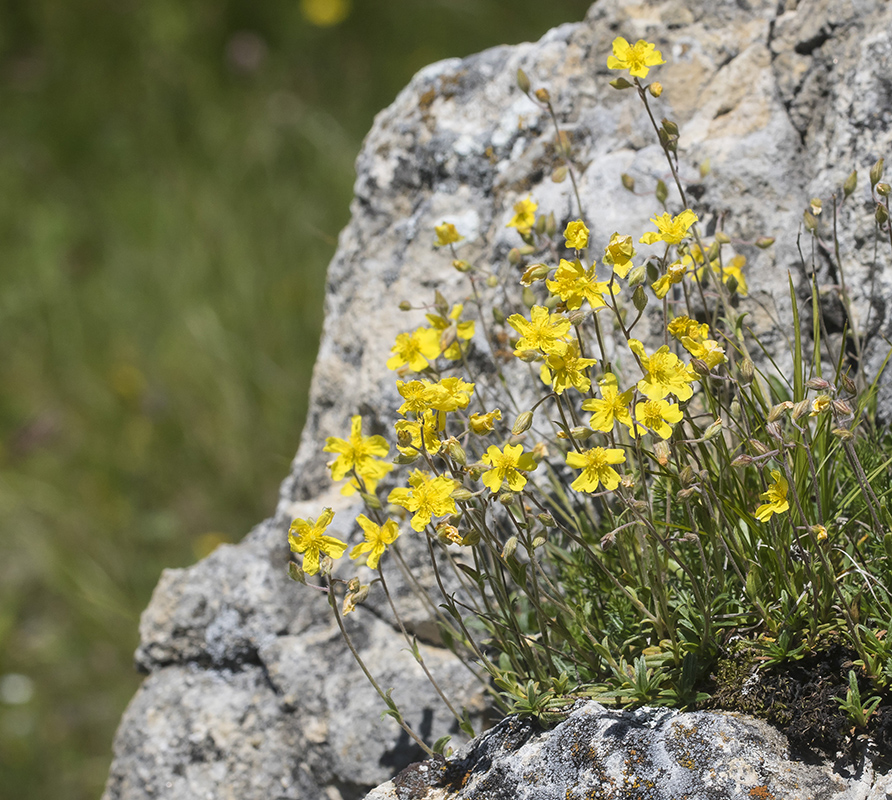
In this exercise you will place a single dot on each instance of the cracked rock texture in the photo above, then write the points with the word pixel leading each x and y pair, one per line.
pixel 650 753
pixel 250 692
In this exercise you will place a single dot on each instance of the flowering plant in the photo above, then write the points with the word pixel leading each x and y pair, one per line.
pixel 655 498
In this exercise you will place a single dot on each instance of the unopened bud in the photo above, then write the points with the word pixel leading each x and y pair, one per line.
pixel 405 305
pixel 662 452
pixel 608 540
pixel 507 498
pixel 843 434
pixel 639 298
pixel 326 565
pixel 819 384
pixel 533 273
pixel 509 548
pixel 492 281
pixel 542 95
pixel 686 476
pixel 461 266
pixel 621 83
pixel 669 126
pixel 848 384
pixel 370 500
pixel 523 82
pixel 842 408
pixel 713 253
pixel 296 573
pixel 759 448
pixel 816 206
pixel 774 430
pixel 700 366
pixel 735 408
pixel 528 297
pixel 764 242
pixel 406 458
pixel 801 409
pixel 538 542
pixel 628 182
pixel 881 214
pixel 539 227
pixel 883 189
pixel 777 411
pixel 722 238
pixel 498 315
pixel 456 451
pixel 559 174
pixel 876 173
pixel 461 494
pixel 523 423
pixel 743 460
pixel 810 221
pixel 550 224
pixel 655 89
pixel 637 276
pixel 713 430
pixel 514 256
pixel 747 372
pixel 851 183
pixel 547 520
pixel 577 316
pixel 581 433
pixel 686 494
pixel 528 356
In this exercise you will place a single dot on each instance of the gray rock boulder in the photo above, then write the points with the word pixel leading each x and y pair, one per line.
pixel 654 753
pixel 250 692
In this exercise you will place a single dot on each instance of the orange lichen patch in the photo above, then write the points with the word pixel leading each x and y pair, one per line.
pixel 761 793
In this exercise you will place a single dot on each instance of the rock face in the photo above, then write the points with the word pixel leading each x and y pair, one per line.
pixel 250 692
pixel 620 755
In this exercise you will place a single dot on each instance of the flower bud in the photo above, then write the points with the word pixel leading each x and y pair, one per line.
pixel 547 520
pixel 669 126
pixel 819 384
pixel 528 356
pixel 662 452
pixel 326 565
pixel 370 500
pixel 296 573
pixel 883 189
pixel 661 192
pixel 713 430
pixel 507 498
pixel 637 276
pixel 492 281
pixel 559 174
pixel 509 548
pixel 498 315
pixel 759 448
pixel 881 214
pixel 850 183
pixel 621 83
pixel 608 540
pixel 686 476
pixel 514 256
pixel 542 95
pixel 639 298
pixel 577 317
pixel 523 423
pixel 687 494
pixel 705 168
pixel 461 266
pixel 471 538
pixel 456 451
pixel 722 238
pixel 655 89
pixel 743 460
pixel 848 384
pixel 747 372
pixel 538 542
pixel 405 305
pixel 842 433
pixel 801 409
pixel 406 458
pixel 764 242
pixel 876 173
pixel 628 182
pixel 810 221
pixel 816 206
pixel 528 297
pixel 776 411
pixel 461 494
pixel 774 430
pixel 700 367
pixel 523 82
pixel 539 227
pixel 842 408
pixel 581 433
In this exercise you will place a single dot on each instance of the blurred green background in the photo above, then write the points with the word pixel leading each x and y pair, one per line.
pixel 173 177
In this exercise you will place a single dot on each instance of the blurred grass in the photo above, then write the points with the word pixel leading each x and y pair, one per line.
pixel 174 175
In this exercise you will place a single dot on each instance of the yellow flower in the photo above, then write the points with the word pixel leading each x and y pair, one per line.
pixel 682 327
pixel 358 454
pixel 377 537
pixel 543 331
pixel 656 415
pixel 446 235
pixel 307 536
pixel 664 373
pixel 618 254
pixel 463 330
pixel 672 230
pixel 596 469
pixel 563 371
pixel 576 235
pixel 428 497
pixel 674 274
pixel 709 351
pixel 416 395
pixel 415 350
pixel 819 404
pixel 573 284
pixel 505 467
pixel 776 497
pixel 731 270
pixel 524 216
pixel 612 407
pixel 636 58
pixel 449 394
pixel 482 424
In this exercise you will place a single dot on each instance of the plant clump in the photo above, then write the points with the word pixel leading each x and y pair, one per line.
pixel 629 504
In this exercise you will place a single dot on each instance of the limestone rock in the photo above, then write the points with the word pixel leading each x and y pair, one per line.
pixel 620 755
pixel 250 693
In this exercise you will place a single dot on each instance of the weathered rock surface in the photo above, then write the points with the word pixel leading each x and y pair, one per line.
pixel 620 755
pixel 250 693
